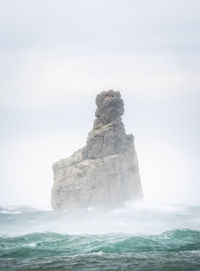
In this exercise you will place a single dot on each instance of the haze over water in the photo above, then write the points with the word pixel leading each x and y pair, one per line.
pixel 140 237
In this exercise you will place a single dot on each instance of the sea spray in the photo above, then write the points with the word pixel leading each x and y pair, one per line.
pixel 136 238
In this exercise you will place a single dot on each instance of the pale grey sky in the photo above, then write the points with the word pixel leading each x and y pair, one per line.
pixel 55 56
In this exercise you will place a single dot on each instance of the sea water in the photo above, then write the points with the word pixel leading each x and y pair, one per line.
pixel 140 237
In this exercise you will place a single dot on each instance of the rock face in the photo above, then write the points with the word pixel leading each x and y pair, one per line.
pixel 104 174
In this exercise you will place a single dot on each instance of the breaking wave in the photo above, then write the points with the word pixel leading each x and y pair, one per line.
pixel 136 238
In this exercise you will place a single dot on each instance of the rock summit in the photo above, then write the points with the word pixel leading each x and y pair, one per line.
pixel 104 174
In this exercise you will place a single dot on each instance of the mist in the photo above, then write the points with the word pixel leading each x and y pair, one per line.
pixel 55 59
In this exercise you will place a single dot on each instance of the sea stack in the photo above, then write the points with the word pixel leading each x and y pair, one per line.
pixel 104 174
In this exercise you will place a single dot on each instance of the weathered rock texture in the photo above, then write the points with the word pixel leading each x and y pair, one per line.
pixel 104 174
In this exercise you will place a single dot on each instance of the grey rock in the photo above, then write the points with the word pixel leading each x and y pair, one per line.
pixel 104 174
pixel 110 106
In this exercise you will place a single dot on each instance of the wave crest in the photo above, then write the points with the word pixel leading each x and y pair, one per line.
pixel 54 244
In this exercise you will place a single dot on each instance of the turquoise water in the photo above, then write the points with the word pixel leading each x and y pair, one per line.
pixel 142 238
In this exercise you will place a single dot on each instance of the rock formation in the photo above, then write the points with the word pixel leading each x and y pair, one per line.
pixel 104 174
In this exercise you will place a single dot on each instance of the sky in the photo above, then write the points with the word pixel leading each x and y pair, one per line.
pixel 57 55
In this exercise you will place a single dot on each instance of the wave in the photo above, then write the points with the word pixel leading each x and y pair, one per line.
pixel 140 237
pixel 54 244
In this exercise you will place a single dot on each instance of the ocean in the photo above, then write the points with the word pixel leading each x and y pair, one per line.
pixel 141 237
